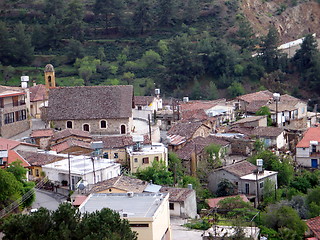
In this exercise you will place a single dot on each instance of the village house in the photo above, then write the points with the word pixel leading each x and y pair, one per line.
pixel 245 176
pixel 38 99
pixel 105 110
pixel 147 213
pixel 92 170
pixel 313 232
pixel 182 132
pixel 214 202
pixel 149 103
pixel 14 105
pixel 36 160
pixel 253 121
pixel 41 137
pixel 182 201
pixel 308 149
pixel 193 152
pixel 142 156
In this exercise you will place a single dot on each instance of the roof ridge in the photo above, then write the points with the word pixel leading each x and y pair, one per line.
pixel 117 180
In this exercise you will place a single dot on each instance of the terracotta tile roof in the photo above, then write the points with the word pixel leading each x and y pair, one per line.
pixel 249 119
pixel 42 133
pixel 194 114
pixel 290 99
pixel 6 144
pixel 185 129
pixel 198 144
pixel 122 182
pixel 6 91
pixel 239 169
pixel 267 131
pixel 236 129
pixel 254 106
pixel 94 102
pixel 143 100
pixel 14 156
pixel 79 200
pixel 214 202
pixel 312 134
pixel 256 96
pixel 70 132
pixel 37 93
pixel 282 107
pixel 115 141
pixel 38 159
pixel 177 194
pixel 205 105
pixel 314 226
pixel 65 145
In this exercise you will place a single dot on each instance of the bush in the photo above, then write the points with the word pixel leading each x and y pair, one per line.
pixel 200 225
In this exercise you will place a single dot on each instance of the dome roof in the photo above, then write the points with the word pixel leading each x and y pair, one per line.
pixel 48 68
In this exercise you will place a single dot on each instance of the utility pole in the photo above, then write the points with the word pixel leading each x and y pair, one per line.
pixel 149 129
pixel 69 165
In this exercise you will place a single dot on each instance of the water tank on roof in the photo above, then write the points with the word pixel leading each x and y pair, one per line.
pixel 314 143
pixel 185 99
pixel 24 81
pixel 157 91
pixel 259 164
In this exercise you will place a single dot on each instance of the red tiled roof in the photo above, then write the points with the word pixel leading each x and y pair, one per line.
pixel 312 134
pixel 14 156
pixel 7 144
pixel 314 226
pixel 115 141
pixel 194 114
pixel 79 200
pixel 42 133
pixel 62 146
pixel 214 202
pixel 143 100
pixel 185 129
pixel 177 194
pixel 267 131
pixel 196 105
pixel 239 169
pixel 38 159
pixel 198 144
pixel 37 93
pixel 70 132
pixel 249 119
pixel 257 96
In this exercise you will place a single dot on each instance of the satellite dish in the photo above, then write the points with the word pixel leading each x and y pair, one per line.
pixel 81 186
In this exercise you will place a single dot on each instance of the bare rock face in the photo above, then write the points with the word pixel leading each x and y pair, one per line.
pixel 292 22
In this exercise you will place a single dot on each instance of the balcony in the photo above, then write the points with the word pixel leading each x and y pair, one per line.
pixel 315 154
pixel 14 104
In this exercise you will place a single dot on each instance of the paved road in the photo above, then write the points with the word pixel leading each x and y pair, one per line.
pixel 179 232
pixel 47 200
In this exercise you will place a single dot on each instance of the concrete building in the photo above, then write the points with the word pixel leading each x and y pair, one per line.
pixel 308 149
pixel 142 156
pixel 245 177
pixel 81 168
pixel 14 103
pixel 105 110
pixel 147 213
pixel 182 202
pixel 38 99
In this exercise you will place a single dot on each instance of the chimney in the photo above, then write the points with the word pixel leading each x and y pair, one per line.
pixel 24 81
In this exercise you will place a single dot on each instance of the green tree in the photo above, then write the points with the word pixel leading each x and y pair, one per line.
pixel 112 11
pixel 5 44
pixel 10 188
pixel 225 188
pixel 212 91
pixel 158 173
pixel 265 111
pixel 86 67
pixel 22 49
pixel 279 216
pixel 66 223
pixel 235 89
pixel 269 50
pixel 74 50
pixel 165 12
pixel 73 21
pixel 176 167
pixel 101 55
pixel 143 17
pixel 8 73
pixel 17 170
pixel 245 36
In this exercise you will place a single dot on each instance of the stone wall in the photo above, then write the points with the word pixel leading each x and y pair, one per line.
pixel 12 129
pixel 113 125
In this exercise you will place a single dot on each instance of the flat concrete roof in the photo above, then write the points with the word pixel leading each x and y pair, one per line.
pixel 81 164
pixel 140 205
pixel 253 176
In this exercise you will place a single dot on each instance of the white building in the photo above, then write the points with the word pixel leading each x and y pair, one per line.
pixel 81 167
pixel 142 156
pixel 147 213
pixel 308 149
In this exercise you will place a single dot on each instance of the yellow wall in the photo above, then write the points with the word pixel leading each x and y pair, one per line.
pixel 135 165
pixel 33 170
pixel 122 155
pixel 113 190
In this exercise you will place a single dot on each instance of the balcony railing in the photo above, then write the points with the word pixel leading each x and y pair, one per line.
pixel 13 104
pixel 315 154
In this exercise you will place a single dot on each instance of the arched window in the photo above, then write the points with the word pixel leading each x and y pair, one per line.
pixel 49 81
pixel 103 124
pixel 123 129
pixel 69 124
pixel 86 127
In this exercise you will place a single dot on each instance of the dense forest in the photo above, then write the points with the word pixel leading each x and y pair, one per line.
pixel 201 48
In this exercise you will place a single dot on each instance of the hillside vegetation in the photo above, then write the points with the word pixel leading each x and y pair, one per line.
pixel 199 48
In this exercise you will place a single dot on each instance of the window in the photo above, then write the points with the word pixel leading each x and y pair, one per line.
pixel 103 124
pixel 156 158
pixel 123 129
pixel 145 160
pixel 171 206
pixel 69 124
pixel 261 185
pixel 1 161
pixel 86 128
pixel 135 160
pixel 139 225
pixel 247 188
pixel 139 108
pixel 30 171
pixel 115 155
pixel 21 115
pixel 9 118
pixel 105 155
pixel 37 172
pixel 314 148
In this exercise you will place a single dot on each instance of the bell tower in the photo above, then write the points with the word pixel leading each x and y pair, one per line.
pixel 49 77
